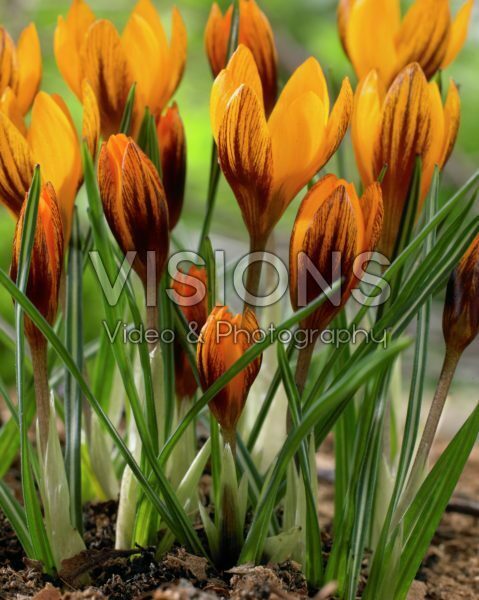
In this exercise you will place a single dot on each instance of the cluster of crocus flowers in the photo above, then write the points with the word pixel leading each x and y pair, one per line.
pixel 223 340
pixel 335 233
pixel 255 33
pixel 20 72
pixel 190 293
pixel 375 37
pixel 135 206
pixel 52 142
pixel 42 290
pixel 268 161
pixel 92 49
pixel 391 128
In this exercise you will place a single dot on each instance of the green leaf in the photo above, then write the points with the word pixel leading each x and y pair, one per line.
pixel 125 124
pixel 15 514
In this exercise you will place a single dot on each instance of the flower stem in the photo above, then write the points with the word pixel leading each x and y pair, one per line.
pixel 254 270
pixel 42 394
pixel 447 374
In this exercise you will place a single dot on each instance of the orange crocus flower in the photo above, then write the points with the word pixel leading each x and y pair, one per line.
pixel 172 144
pixel 332 219
pixel 461 311
pixel 223 340
pixel 255 33
pixel 392 128
pixel 134 202
pixel 268 161
pixel 20 71
pixel 375 37
pixel 52 142
pixel 93 49
pixel 46 261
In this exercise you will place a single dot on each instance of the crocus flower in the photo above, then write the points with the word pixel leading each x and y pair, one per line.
pixel 20 69
pixel 53 143
pixel 46 260
pixel 87 48
pixel 268 161
pixel 334 232
pixel 255 33
pixel 172 143
pixel 134 203
pixel 392 128
pixel 374 36
pixel 224 339
pixel 461 310
pixel 191 295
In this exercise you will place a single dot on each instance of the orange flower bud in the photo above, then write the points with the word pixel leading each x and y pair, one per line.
pixel 332 219
pixel 191 294
pixel 134 202
pixel 394 128
pixel 268 161
pixel 255 33
pixel 224 339
pixel 46 261
pixel 461 311
pixel 172 142
pixel 375 37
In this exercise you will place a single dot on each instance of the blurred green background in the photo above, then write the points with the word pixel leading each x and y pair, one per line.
pixel 302 28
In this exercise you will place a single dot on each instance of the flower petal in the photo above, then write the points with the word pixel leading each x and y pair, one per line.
pixel 366 124
pixel 245 154
pixel 459 31
pixel 338 124
pixel 91 119
pixel 29 67
pixel 216 38
pixel 452 119
pixel 241 70
pixel 373 211
pixel 16 165
pixel 308 77
pixel 433 154
pixel 104 65
pixel 9 106
pixel 297 133
pixel 176 56
pixel 424 35
pixel 405 134
pixel 8 62
pixel 370 34
pixel 344 12
pixel 54 145
pixel 68 41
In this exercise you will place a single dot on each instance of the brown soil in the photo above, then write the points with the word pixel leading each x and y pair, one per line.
pixel 450 570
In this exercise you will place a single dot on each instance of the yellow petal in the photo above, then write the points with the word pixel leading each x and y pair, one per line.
pixel 245 154
pixel 297 133
pixel 16 165
pixel 104 65
pixel 424 35
pixel 308 77
pixel 9 106
pixel 241 70
pixel 344 11
pixel 8 62
pixel 366 124
pixel 459 30
pixel 452 121
pixel 29 67
pixel 371 29
pixel 91 119
pixel 216 39
pixel 373 211
pixel 146 10
pixel 433 154
pixel 338 124
pixel 144 56
pixel 68 40
pixel 405 134
pixel 177 57
pixel 54 145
